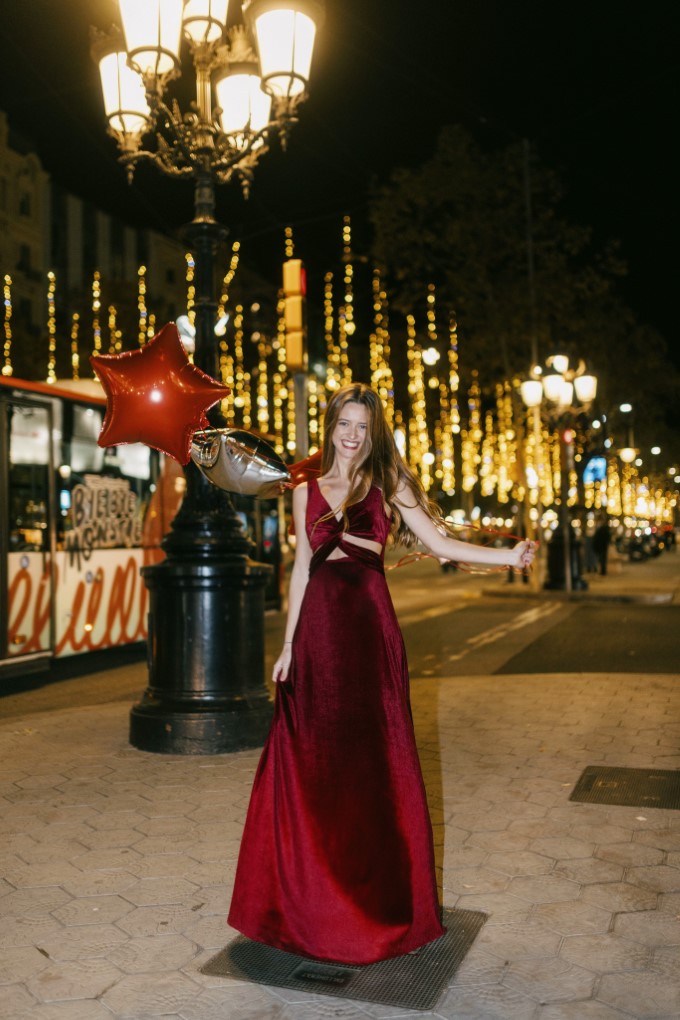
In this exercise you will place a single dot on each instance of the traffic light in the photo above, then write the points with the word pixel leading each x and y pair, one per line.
pixel 295 314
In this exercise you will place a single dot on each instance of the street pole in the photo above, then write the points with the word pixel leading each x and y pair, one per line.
pixel 566 465
pixel 206 692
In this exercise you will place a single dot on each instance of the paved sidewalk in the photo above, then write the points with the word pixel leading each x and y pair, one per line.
pixel 656 580
pixel 117 864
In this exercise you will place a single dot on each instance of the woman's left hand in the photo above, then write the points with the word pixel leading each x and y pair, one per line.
pixel 522 554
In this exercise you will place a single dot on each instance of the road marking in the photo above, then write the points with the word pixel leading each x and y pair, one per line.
pixel 487 637
pixel 427 614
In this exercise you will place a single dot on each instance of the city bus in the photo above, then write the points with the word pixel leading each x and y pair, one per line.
pixel 77 524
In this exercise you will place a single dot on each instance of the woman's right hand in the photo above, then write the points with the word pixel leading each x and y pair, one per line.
pixel 282 664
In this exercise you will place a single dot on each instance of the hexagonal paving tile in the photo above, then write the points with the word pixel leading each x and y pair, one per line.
pixel 164 919
pixel 141 995
pixel 147 891
pixel 562 847
pixel 629 854
pixel 49 872
pixel 650 928
pixel 550 980
pixel 18 964
pixel 474 880
pixel 73 1009
pixel 83 942
pixel 14 1001
pixel 501 907
pixel 247 1001
pixel 158 953
pixel 658 878
pixel 544 888
pixel 520 862
pixel 464 856
pixel 588 870
pixel 93 910
pixel 660 839
pixel 94 883
pixel 573 918
pixel 26 931
pixel 619 896
pixel 604 953
pixel 492 1002
pixel 81 979
pixel 641 995
pixel 515 940
pixel 583 1010
pixel 33 902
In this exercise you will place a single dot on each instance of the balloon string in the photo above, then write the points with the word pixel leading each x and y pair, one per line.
pixel 467 568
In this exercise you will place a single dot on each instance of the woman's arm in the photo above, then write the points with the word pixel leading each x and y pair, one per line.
pixel 445 547
pixel 298 581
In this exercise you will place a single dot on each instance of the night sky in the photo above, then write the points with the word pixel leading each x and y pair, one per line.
pixel 592 85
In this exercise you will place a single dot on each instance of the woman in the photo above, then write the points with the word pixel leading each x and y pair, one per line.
pixel 337 860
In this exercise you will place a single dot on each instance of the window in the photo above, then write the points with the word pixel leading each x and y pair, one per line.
pixel 25 204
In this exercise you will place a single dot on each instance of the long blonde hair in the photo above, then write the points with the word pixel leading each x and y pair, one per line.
pixel 381 463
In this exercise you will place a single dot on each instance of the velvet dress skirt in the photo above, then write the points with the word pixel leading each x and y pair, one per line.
pixel 336 861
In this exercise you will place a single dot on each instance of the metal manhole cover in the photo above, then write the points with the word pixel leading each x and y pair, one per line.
pixel 413 981
pixel 658 788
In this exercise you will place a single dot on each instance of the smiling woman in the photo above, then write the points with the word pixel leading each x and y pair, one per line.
pixel 337 859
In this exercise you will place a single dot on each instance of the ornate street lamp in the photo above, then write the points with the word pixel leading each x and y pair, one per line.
pixel 563 394
pixel 206 690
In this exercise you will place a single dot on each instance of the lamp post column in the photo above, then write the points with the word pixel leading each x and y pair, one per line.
pixel 206 692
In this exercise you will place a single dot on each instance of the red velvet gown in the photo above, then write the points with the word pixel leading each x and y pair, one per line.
pixel 336 861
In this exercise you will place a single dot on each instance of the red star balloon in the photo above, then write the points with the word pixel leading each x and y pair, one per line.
pixel 306 469
pixel 155 395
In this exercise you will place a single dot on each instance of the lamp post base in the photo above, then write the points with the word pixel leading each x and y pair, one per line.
pixel 158 727
pixel 206 658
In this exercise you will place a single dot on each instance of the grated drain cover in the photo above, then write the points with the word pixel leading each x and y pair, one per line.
pixel 658 788
pixel 413 981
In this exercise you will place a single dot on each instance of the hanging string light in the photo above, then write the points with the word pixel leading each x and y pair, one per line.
pixel 346 324
pixel 115 335
pixel 262 386
pixel 75 356
pixel 291 442
pixel 333 372
pixel 51 329
pixel 247 402
pixel 7 369
pixel 141 306
pixel 472 436
pixel 454 379
pixel 96 308
pixel 191 288
pixel 313 401
pixel 487 474
pixel 379 346
pixel 239 371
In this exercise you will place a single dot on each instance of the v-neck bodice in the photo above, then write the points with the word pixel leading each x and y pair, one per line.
pixel 367 520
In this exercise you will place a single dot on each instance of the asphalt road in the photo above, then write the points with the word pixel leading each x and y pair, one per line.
pixel 451 627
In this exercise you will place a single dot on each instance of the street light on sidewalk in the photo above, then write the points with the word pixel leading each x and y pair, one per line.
pixel 562 394
pixel 206 690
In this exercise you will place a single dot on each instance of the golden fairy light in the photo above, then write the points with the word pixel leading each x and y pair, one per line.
pixel 96 308
pixel 51 329
pixel 291 441
pixel 346 323
pixel 454 378
pixel 239 371
pixel 7 369
pixel 379 348
pixel 472 436
pixel 247 402
pixel 191 289
pixel 228 278
pixel 75 356
pixel 313 411
pixel 143 323
pixel 115 335
pixel 487 475
pixel 333 372
pixel 262 387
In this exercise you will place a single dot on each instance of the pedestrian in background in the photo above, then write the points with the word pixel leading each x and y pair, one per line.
pixel 601 541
